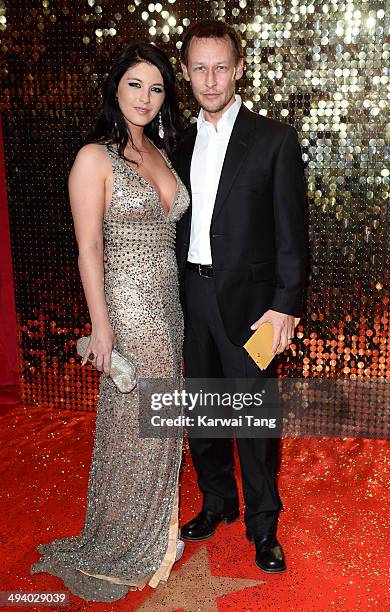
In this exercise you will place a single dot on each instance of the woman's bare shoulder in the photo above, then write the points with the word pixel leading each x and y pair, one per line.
pixel 93 152
pixel 92 160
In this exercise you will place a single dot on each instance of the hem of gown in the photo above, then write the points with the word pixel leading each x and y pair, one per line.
pixel 162 573
pixel 120 586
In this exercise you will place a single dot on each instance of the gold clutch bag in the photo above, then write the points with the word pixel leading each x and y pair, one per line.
pixel 123 372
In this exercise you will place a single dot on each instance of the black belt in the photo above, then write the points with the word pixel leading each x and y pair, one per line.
pixel 202 270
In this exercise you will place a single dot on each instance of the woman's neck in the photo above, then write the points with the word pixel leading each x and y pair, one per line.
pixel 138 137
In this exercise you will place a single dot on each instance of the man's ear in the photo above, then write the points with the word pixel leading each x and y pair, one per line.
pixel 185 71
pixel 239 69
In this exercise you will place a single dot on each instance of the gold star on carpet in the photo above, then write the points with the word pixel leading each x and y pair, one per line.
pixel 193 588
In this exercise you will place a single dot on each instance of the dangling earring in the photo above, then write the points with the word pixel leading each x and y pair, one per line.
pixel 160 126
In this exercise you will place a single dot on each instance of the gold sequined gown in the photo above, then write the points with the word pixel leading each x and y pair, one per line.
pixel 131 523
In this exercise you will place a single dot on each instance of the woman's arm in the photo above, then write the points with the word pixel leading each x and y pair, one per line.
pixel 87 193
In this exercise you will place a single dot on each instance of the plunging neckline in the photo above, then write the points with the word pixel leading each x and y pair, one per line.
pixel 149 184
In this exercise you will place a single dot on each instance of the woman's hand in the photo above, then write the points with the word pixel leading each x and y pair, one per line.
pixel 100 348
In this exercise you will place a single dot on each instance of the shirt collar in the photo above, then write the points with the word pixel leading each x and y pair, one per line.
pixel 228 118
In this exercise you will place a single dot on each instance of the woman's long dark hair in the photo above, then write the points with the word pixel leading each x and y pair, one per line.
pixel 111 125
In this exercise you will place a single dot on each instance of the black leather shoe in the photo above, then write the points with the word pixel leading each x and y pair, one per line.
pixel 270 555
pixel 203 526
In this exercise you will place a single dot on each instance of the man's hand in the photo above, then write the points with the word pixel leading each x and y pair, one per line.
pixel 105 263
pixel 283 325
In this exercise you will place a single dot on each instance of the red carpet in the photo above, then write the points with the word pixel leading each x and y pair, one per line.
pixel 334 527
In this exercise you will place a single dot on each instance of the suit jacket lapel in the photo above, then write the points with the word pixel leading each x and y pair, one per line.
pixel 182 165
pixel 236 152
pixel 185 151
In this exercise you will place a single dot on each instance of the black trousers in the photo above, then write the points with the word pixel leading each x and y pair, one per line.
pixel 208 353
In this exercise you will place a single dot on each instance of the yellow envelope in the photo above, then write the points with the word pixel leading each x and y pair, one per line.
pixel 259 345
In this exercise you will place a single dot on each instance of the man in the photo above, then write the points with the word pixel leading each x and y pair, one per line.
pixel 241 251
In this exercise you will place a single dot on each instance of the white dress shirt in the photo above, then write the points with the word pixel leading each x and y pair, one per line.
pixel 206 165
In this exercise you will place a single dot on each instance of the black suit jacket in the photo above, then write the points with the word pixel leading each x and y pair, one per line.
pixel 258 228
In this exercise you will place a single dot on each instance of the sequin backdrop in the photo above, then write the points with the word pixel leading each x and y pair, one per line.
pixel 321 66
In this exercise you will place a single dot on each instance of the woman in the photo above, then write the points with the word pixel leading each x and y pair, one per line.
pixel 124 193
